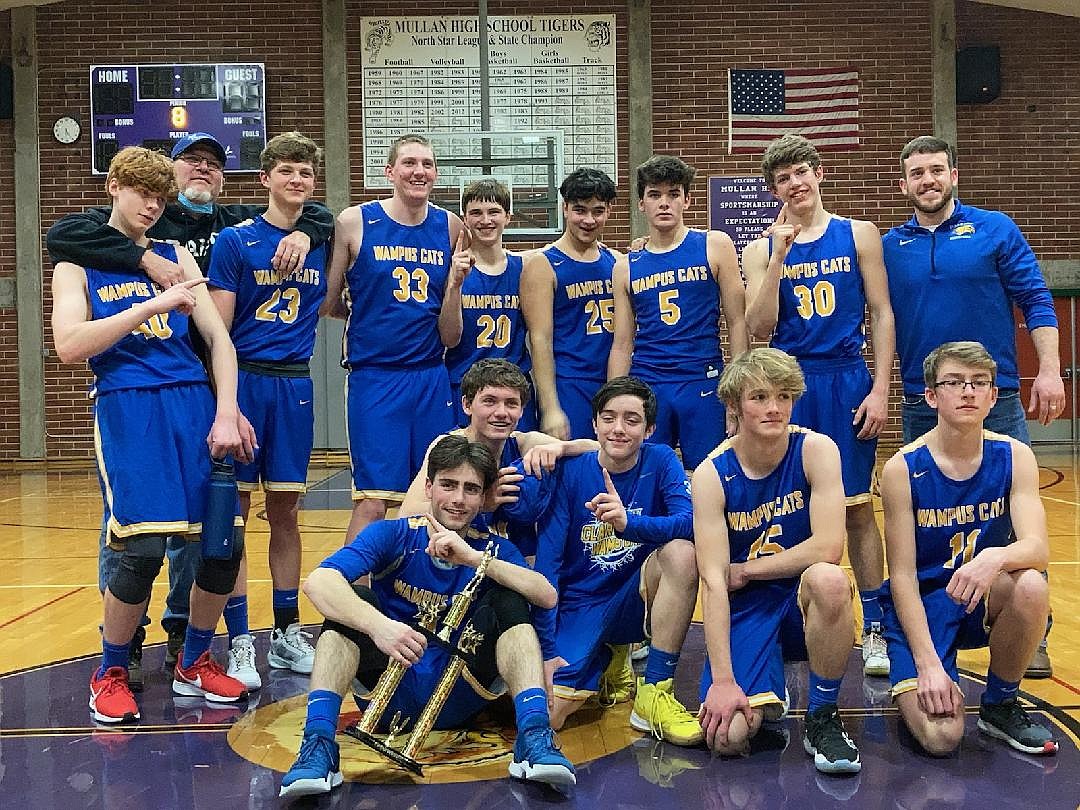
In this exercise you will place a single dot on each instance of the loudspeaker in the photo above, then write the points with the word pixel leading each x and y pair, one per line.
pixel 7 91
pixel 978 74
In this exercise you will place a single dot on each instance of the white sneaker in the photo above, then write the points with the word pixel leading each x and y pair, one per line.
pixel 291 650
pixel 242 662
pixel 875 653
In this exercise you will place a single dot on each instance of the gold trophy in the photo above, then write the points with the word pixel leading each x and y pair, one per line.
pixel 427 618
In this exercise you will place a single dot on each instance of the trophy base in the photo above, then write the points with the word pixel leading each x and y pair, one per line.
pixel 392 754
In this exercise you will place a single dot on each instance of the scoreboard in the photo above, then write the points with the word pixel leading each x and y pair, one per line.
pixel 156 105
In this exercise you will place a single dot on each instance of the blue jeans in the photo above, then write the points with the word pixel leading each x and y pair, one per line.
pixel 1007 416
pixel 183 559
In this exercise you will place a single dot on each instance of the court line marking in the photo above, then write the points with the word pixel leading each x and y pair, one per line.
pixel 41 607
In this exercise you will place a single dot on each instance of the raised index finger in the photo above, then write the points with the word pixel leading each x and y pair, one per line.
pixel 434 527
pixel 781 218
pixel 608 483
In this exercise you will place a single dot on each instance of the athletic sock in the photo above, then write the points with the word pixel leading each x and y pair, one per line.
pixel 236 616
pixel 531 709
pixel 660 665
pixel 998 690
pixel 286 608
pixel 114 655
pixel 323 708
pixel 196 642
pixel 823 691
pixel 871 608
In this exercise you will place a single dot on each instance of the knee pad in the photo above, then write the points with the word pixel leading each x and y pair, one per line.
pixel 219 576
pixel 510 609
pixel 140 562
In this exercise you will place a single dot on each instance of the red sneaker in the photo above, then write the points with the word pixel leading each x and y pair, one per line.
pixel 111 700
pixel 205 678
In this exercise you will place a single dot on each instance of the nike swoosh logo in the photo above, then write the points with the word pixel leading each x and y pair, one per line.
pixel 373 221
pixel 531 697
pixel 906 242
pixel 556 264
pixel 705 394
pixel 305 402
pixel 249 244
pixel 919 474
pixel 729 477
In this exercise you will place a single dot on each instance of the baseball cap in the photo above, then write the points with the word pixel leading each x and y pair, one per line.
pixel 199 139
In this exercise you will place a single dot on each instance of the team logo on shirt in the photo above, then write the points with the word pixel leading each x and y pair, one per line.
pixel 605 549
pixel 962 230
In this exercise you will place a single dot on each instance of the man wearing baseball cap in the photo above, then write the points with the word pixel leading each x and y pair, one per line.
pixel 194 221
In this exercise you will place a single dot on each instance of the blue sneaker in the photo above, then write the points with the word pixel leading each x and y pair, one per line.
pixel 317 769
pixel 537 758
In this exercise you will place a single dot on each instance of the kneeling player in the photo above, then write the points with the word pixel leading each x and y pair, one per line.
pixel 616 543
pixel 965 534
pixel 769 527
pixel 430 557
pixel 152 411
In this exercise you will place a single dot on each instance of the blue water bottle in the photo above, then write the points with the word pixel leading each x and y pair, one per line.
pixel 219 517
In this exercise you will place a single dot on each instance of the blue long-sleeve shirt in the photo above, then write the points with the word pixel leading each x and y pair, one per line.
pixel 959 282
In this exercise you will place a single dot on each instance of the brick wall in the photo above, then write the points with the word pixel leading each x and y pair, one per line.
pixel 9 342
pixel 1012 157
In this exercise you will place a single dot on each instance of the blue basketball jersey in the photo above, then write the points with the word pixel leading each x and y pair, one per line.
pixel 765 515
pixel 676 302
pixel 405 577
pixel 275 315
pixel 584 558
pixel 158 352
pixel 582 314
pixel 493 325
pixel 955 520
pixel 394 290
pixel 822 302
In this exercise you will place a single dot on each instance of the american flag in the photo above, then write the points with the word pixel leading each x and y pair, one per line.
pixel 821 104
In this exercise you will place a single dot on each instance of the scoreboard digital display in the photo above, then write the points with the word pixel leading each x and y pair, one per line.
pixel 156 105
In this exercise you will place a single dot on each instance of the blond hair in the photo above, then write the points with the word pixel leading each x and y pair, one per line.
pixel 760 368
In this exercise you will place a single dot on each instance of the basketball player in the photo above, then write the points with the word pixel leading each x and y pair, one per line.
pixel 767 522
pixel 419 561
pixel 668 297
pixel 616 544
pixel 272 317
pixel 567 301
pixel 152 411
pixel 392 257
pixel 808 286
pixel 965 533
pixel 485 307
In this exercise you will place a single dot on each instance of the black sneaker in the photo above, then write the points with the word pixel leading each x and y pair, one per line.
pixel 825 738
pixel 173 646
pixel 135 671
pixel 1009 722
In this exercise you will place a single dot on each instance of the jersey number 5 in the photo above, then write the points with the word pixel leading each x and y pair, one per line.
pixel 669 310
pixel 405 289
pixel 268 310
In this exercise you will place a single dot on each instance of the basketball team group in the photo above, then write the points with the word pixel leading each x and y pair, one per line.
pixel 522 411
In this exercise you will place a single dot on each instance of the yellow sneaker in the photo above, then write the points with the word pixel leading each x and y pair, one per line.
pixel 657 711
pixel 617 682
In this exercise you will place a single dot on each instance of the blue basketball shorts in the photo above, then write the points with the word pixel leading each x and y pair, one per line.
pixel 766 630
pixel 575 397
pixel 152 457
pixel 689 414
pixel 834 391
pixel 951 629
pixel 392 416
pixel 583 631
pixel 280 411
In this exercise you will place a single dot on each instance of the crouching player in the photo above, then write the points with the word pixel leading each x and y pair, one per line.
pixel 153 408
pixel 965 535
pixel 769 528
pixel 414 560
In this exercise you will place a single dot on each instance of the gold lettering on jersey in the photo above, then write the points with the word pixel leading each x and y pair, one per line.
pixel 301 275
pixel 840 264
pixel 125 289
pixel 961 515
pixel 396 253
pixel 419 596
pixel 781 505
pixel 606 549
pixel 489 301
pixel 801 270
pixel 668 278
pixel 582 289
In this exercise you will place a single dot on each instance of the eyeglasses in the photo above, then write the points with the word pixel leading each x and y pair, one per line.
pixel 981 384
pixel 194 161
